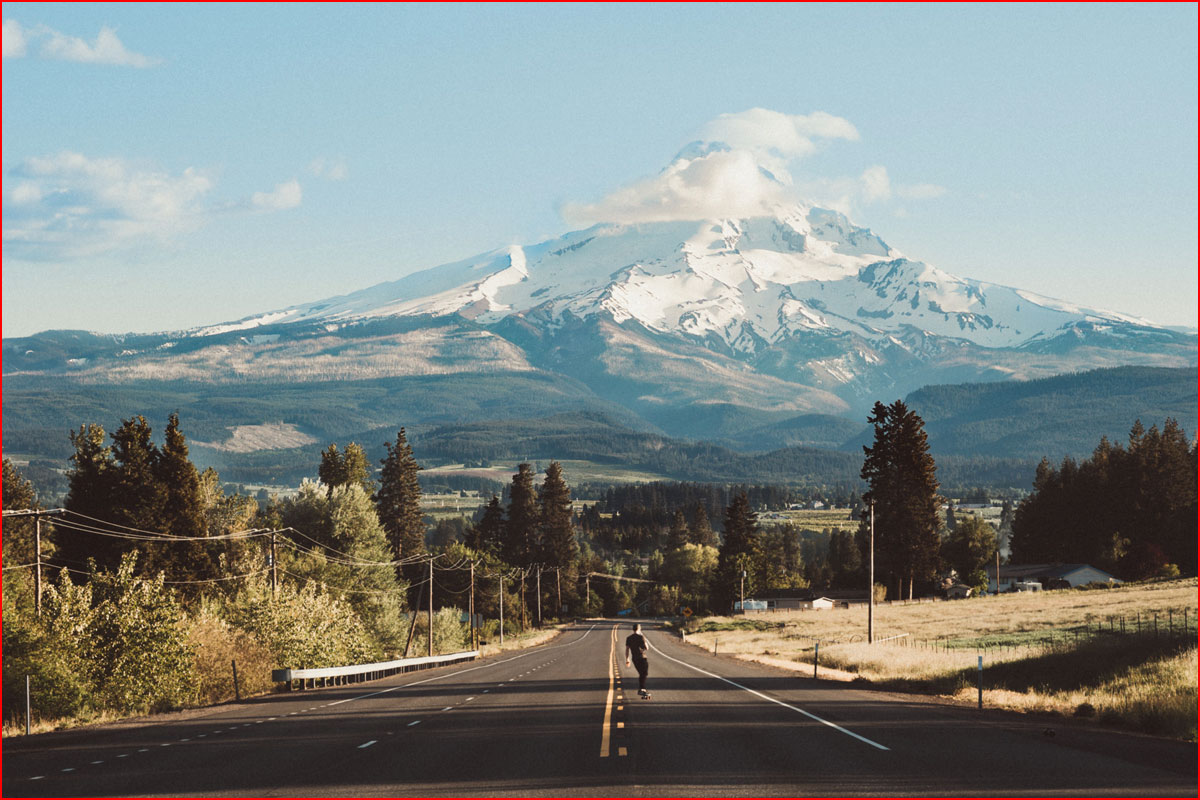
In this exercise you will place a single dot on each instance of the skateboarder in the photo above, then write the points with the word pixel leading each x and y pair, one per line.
pixel 635 650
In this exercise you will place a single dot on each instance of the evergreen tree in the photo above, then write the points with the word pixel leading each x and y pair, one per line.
pixel 398 502
pixel 521 531
pixel 345 468
pixel 90 492
pixel 737 552
pixel 487 534
pixel 701 531
pixel 901 475
pixel 332 471
pixel 678 535
pixel 557 535
pixel 182 513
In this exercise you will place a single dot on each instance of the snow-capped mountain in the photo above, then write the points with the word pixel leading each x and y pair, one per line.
pixel 747 283
pixel 790 310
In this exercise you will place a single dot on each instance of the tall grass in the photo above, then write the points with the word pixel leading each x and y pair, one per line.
pixel 1062 652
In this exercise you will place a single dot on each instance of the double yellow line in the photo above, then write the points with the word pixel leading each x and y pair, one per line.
pixel 614 693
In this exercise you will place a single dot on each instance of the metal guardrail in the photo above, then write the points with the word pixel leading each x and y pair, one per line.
pixel 357 673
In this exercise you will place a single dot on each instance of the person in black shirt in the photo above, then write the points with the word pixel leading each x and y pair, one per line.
pixel 635 651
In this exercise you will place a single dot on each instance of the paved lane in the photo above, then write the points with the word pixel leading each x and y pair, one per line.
pixel 564 719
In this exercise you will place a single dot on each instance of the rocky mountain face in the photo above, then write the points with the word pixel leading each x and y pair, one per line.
pixel 693 327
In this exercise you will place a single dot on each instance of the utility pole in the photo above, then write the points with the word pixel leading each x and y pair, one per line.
pixel 431 606
pixel 274 567
pixel 539 594
pixel 501 609
pixel 871 582
pixel 37 541
pixel 471 606
pixel 37 515
pixel 997 567
pixel 743 591
pixel 558 586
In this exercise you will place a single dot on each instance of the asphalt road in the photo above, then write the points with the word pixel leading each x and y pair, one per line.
pixel 564 719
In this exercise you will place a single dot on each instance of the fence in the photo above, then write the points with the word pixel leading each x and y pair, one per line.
pixel 357 673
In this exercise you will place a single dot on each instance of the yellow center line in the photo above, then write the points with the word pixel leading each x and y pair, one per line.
pixel 606 731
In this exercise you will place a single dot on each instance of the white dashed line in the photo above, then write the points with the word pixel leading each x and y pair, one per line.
pixel 447 708
pixel 123 755
pixel 37 777
pixel 417 722
pixel 144 750
pixel 98 762
pixel 368 744
pixel 68 769
pixel 469 699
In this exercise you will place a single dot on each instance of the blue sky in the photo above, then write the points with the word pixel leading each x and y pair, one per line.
pixel 168 166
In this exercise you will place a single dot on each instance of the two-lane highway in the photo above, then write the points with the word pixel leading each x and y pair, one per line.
pixel 564 719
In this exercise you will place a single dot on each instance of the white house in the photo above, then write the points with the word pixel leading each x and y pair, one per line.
pixel 1050 576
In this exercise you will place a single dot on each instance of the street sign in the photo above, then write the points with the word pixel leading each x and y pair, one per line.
pixel 687 612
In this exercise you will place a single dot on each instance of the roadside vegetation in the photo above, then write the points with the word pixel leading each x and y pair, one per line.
pixel 1124 656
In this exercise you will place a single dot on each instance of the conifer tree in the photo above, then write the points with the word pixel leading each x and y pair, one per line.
pixel 345 468
pixel 677 534
pixel 556 534
pixel 738 552
pixel 903 486
pixel 701 531
pixel 18 538
pixel 487 535
pixel 182 513
pixel 399 499
pixel 521 531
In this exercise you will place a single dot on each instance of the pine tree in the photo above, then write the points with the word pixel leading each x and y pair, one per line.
pixel 90 492
pixel 738 551
pixel 182 512
pixel 521 544
pixel 487 535
pixel 18 538
pixel 399 499
pixel 701 531
pixel 332 471
pixel 558 547
pixel 398 503
pixel 677 534
pixel 903 486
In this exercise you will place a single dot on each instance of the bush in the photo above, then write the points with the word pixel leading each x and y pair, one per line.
pixel 216 645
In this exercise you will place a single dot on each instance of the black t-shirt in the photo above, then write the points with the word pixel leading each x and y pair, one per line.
pixel 637 645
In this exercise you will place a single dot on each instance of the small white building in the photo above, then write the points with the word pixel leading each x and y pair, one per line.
pixel 1016 577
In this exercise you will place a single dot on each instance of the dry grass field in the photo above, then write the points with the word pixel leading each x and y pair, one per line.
pixel 1122 655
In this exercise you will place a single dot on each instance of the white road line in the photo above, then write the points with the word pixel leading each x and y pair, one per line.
pixel 123 755
pixel 37 777
pixel 797 709
pixel 68 769
pixel 416 722
pixel 469 699
pixel 144 750
pixel 98 762
pixel 368 744
pixel 447 708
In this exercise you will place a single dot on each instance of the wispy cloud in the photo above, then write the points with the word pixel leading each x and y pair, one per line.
pixel 69 206
pixel 14 39
pixel 329 169
pixel 742 165
pixel 283 196
pixel 106 49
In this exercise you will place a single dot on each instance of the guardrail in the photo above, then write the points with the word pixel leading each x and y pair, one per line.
pixel 357 673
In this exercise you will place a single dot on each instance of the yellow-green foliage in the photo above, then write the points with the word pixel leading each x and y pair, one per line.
pixel 216 646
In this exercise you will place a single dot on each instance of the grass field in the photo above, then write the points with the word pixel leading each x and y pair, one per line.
pixel 1121 655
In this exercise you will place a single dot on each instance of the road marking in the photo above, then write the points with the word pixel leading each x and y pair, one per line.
pixel 620 724
pixel 606 728
pixel 144 750
pixel 418 722
pixel 447 708
pixel 68 769
pixel 469 699
pixel 101 761
pixel 368 744
pixel 37 777
pixel 123 755
pixel 621 751
pixel 768 698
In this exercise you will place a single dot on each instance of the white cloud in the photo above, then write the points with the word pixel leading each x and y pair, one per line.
pixel 106 49
pixel 69 206
pixel 720 184
pixel 14 39
pixel 330 169
pixel 283 196
pixel 742 166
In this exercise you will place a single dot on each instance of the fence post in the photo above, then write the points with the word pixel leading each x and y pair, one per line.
pixel 1171 621
pixel 981 683
pixel 816 658
pixel 237 691
pixel 28 707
